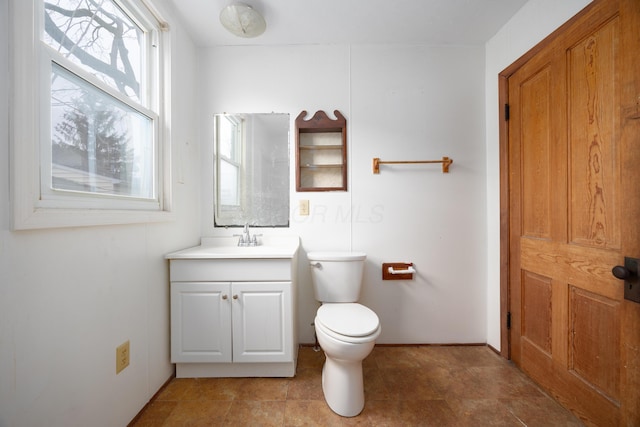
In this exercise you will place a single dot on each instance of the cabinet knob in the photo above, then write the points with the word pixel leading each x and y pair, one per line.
pixel 225 296
pixel 235 297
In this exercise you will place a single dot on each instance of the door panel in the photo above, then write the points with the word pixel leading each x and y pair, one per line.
pixel 536 310
pixel 593 124
pixel 536 146
pixel 200 313
pixel 573 212
pixel 595 351
pixel 262 322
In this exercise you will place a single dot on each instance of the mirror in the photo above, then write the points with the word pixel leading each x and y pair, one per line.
pixel 251 170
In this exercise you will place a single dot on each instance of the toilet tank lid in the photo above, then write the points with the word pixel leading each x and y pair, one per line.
pixel 336 256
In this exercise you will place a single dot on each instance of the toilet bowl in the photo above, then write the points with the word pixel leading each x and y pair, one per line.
pixel 346 330
pixel 347 333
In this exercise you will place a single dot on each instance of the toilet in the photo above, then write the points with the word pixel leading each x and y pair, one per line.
pixel 346 330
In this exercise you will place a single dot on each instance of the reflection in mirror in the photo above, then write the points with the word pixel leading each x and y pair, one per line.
pixel 251 170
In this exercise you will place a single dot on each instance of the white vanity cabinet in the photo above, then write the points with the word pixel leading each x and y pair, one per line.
pixel 233 317
pixel 231 322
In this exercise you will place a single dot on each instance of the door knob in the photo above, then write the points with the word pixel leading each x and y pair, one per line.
pixel 225 296
pixel 621 272
pixel 235 297
pixel 629 273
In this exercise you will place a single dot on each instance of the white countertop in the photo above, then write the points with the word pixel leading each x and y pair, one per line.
pixel 227 248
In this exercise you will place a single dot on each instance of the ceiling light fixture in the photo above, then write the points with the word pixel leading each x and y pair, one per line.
pixel 242 20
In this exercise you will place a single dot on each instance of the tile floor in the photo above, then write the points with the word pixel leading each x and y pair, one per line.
pixel 404 386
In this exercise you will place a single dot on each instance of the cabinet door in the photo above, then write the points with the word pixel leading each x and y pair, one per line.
pixel 200 322
pixel 262 322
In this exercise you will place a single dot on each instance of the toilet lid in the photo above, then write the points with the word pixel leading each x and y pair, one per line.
pixel 349 319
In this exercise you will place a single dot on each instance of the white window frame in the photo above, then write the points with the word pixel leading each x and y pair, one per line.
pixel 239 125
pixel 30 75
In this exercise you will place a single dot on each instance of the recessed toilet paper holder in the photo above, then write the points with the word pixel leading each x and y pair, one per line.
pixel 398 271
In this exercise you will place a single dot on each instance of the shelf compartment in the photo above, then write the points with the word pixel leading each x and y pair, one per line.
pixel 321 178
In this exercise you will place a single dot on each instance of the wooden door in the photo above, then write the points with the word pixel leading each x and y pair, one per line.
pixel 573 203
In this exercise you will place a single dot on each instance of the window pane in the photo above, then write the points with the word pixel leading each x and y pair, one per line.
pixel 98 36
pixel 229 137
pixel 99 144
pixel 229 176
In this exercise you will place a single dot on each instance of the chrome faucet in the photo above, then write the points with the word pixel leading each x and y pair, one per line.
pixel 246 235
pixel 246 239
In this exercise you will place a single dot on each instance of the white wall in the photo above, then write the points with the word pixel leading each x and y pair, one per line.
pixel 411 103
pixel 401 103
pixel 536 20
pixel 68 297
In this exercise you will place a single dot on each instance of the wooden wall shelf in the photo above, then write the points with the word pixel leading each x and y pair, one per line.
pixel 321 152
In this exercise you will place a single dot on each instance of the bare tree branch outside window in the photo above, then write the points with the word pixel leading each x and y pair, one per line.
pixel 100 37
pixel 99 144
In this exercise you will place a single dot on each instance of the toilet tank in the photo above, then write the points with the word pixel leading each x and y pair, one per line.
pixel 336 276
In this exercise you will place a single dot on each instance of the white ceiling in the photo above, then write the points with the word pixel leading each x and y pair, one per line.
pixel 354 21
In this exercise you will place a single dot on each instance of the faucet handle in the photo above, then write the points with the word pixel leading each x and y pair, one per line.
pixel 240 237
pixel 254 239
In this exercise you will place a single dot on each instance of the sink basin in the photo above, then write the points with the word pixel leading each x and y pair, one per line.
pixel 227 247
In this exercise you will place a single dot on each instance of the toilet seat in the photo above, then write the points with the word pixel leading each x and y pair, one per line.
pixel 349 322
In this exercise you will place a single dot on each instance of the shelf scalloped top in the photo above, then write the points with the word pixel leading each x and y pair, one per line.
pixel 321 121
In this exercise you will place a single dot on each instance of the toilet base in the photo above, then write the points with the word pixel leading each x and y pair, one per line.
pixel 343 386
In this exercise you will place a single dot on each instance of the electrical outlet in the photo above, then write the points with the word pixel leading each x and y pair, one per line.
pixel 304 207
pixel 122 357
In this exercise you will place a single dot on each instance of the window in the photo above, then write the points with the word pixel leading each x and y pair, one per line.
pixel 100 152
pixel 229 130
